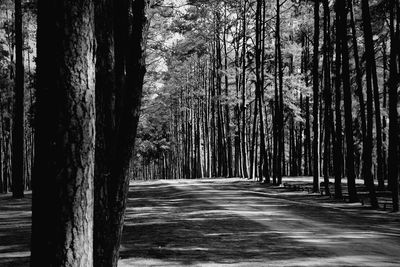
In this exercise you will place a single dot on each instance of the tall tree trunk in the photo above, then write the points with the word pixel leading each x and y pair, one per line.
pixel 393 164
pixel 253 158
pixel 214 147
pixel 384 106
pixel 307 141
pixel 316 166
pixel 130 30
pixel 243 102
pixel 359 88
pixel 222 170
pixel 62 200
pixel 371 68
pixel 337 132
pixel 227 111
pixel 105 126
pixel 2 139
pixel 280 166
pixel 263 115
pixel 18 111
pixel 307 132
pixel 327 94
pixel 300 141
pixel 238 136
pixel 347 105
pixel 369 180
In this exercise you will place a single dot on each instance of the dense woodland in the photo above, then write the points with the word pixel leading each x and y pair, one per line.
pixel 266 89
pixel 252 88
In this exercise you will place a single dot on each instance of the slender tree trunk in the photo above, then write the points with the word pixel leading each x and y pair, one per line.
pixel 327 94
pixel 243 102
pixel 307 141
pixel 227 111
pixel 222 170
pixel 369 180
pixel 384 106
pixel 253 156
pixel 371 68
pixel 347 105
pixel 2 189
pixel 263 115
pixel 337 132
pixel 253 159
pixel 300 141
pixel 238 136
pixel 316 166
pixel 307 145
pixel 18 111
pixel 279 106
pixel 359 88
pixel 393 164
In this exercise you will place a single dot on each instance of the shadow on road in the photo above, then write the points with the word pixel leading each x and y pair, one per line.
pixel 15 228
pixel 217 222
pixel 178 224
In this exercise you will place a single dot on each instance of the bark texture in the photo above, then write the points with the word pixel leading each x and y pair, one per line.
pixel 62 218
pixel 120 72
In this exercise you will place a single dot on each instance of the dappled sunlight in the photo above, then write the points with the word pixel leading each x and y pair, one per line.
pixel 15 227
pixel 354 260
pixel 217 222
pixel 230 223
pixel 194 222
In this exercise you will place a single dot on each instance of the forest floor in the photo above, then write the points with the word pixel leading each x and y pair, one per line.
pixel 231 222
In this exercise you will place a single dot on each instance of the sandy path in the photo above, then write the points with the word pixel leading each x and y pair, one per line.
pixel 230 223
pixel 239 223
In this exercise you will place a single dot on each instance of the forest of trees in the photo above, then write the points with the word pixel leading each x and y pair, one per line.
pixel 266 89
pixel 252 88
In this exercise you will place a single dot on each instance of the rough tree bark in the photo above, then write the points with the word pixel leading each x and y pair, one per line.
pixel 62 200
pixel 116 137
pixel 105 126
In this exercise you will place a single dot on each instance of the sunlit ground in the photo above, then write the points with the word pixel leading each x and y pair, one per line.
pixel 230 222
pixel 239 223
pixel 15 228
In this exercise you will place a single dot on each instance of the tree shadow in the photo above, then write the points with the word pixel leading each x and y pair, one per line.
pixel 15 229
pixel 203 222
pixel 167 223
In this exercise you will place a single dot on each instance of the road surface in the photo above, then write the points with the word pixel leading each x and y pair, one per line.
pixel 240 223
pixel 230 222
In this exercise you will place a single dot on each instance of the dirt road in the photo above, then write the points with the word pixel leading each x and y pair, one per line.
pixel 230 223
pixel 240 223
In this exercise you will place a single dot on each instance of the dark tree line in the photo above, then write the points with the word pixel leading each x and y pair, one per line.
pixel 317 112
